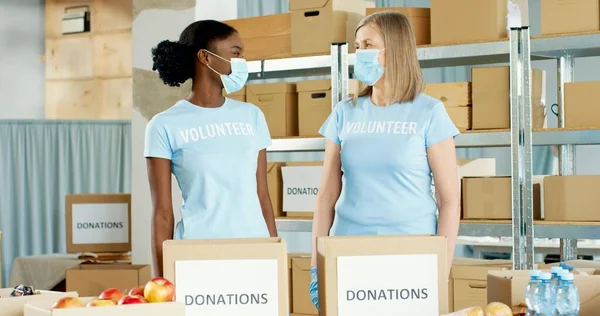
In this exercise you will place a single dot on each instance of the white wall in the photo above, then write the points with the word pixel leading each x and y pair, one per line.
pixel 21 70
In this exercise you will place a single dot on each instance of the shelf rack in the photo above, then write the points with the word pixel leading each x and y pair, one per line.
pixel 518 51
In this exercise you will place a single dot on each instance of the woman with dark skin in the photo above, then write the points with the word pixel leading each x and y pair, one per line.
pixel 215 146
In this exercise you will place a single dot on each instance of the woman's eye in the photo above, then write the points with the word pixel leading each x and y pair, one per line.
pixel 236 54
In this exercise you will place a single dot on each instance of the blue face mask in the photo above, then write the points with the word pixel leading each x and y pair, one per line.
pixel 236 80
pixel 366 67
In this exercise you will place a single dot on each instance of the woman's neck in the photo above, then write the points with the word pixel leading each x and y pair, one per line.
pixel 206 94
pixel 378 96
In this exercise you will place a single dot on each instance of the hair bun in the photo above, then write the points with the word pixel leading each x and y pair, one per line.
pixel 173 61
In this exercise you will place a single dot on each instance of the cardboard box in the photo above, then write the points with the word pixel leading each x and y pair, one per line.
pixel 291 281
pixel 413 267
pixel 255 270
pixel 318 23
pixel 509 286
pixel 491 198
pixel 580 108
pixel 467 20
pixel 238 95
pixel 275 183
pixel 265 37
pixel 491 97
pixel 478 167
pixel 572 198
pixel 460 116
pixel 420 20
pixel 452 94
pixel 92 279
pixel 13 306
pixel 279 103
pixel 98 223
pixel 469 281
pixel 314 105
pixel 301 301
pixel 43 308
pixel 301 181
pixel 569 16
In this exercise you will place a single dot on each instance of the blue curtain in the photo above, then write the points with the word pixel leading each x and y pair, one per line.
pixel 43 161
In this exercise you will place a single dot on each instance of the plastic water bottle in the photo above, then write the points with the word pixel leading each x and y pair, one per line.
pixel 555 281
pixel 531 286
pixel 567 297
pixel 543 298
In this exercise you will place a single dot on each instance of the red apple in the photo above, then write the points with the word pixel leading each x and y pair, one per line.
pixel 111 294
pixel 132 299
pixel 159 290
pixel 138 290
pixel 98 302
pixel 67 302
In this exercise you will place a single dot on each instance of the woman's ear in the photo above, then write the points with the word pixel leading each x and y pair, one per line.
pixel 202 56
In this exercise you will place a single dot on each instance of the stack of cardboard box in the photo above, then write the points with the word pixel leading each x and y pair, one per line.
pixel 456 97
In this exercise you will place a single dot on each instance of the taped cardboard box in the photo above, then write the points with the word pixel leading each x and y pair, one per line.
pixel 469 281
pixel 14 306
pixel 452 94
pixel 461 117
pixel 238 95
pixel 301 300
pixel 318 23
pixel 562 16
pixel 301 182
pixel 455 21
pixel 279 104
pixel 98 223
pixel 491 98
pixel 411 275
pixel 92 279
pixel 509 286
pixel 420 20
pixel 581 111
pixel 250 275
pixel 265 37
pixel 572 198
pixel 43 308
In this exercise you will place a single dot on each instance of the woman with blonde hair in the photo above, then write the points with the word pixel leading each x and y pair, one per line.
pixel 384 147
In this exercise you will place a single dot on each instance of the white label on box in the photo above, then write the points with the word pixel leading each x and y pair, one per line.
pixel 228 287
pixel 102 223
pixel 300 188
pixel 388 285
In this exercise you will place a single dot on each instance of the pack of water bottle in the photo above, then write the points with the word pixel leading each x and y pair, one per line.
pixel 552 294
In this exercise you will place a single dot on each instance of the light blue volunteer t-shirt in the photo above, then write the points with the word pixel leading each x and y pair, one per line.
pixel 386 181
pixel 214 154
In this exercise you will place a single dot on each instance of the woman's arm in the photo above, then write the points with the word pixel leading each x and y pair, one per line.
pixel 159 176
pixel 442 159
pixel 263 193
pixel 329 192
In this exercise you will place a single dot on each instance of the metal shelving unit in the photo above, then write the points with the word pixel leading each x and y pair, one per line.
pixel 518 51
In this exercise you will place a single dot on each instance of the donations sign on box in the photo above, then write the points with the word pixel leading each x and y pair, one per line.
pixel 228 287
pixel 98 223
pixel 300 185
pixel 385 285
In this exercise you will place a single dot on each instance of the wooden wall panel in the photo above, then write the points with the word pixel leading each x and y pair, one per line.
pixel 112 55
pixel 111 15
pixel 115 98
pixel 71 100
pixel 69 57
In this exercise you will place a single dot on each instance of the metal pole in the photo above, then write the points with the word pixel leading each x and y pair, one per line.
pixel 344 71
pixel 335 75
pixel 516 148
pixel 527 186
pixel 566 154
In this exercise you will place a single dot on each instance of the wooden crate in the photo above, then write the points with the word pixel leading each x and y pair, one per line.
pixel 71 100
pixel 112 55
pixel 69 57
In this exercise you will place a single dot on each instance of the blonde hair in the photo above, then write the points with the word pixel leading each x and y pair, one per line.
pixel 403 76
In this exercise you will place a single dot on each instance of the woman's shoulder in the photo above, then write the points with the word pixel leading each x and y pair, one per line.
pixel 242 105
pixel 168 114
pixel 427 102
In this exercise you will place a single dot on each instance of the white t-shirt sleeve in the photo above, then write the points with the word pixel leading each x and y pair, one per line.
pixel 262 131
pixel 157 143
pixel 440 126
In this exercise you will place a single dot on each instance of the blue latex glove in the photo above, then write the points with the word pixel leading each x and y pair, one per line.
pixel 314 287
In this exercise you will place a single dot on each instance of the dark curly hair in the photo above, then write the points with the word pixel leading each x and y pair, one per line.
pixel 175 61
